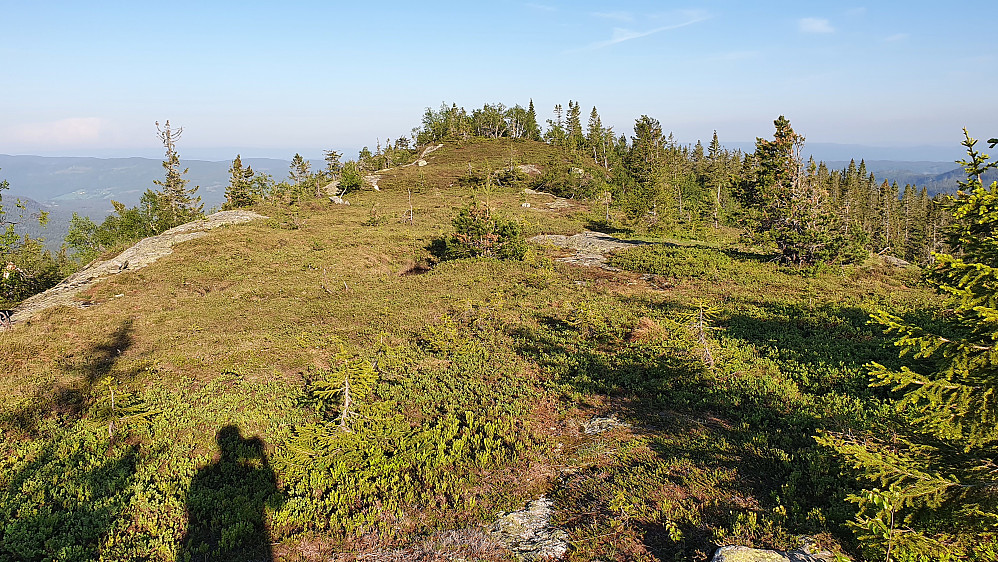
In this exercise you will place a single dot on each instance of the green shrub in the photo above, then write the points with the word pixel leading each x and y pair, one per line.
pixel 671 261
pixel 478 232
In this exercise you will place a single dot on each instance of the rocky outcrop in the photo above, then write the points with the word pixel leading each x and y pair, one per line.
pixel 590 247
pixel 529 532
pixel 143 253
pixel 602 425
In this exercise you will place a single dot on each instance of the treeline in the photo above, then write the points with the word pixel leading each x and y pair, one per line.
pixel 660 184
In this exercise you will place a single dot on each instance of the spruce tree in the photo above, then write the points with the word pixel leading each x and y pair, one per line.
pixel 789 208
pixel 594 138
pixel 716 178
pixel 238 193
pixel 299 170
pixel 940 466
pixel 530 128
pixel 175 203
pixel 575 138
pixel 556 129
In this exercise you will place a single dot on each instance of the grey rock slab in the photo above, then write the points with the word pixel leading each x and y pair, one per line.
pixel 601 425
pixel 143 253
pixel 590 247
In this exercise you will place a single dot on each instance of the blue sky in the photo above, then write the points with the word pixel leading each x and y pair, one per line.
pixel 269 79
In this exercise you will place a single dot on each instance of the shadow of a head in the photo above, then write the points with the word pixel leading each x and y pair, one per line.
pixel 232 445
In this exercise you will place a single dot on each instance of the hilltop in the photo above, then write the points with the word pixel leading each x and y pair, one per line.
pixel 665 403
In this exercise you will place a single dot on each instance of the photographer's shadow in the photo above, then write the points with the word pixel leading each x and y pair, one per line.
pixel 227 502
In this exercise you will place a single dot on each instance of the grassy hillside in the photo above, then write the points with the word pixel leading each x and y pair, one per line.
pixel 475 380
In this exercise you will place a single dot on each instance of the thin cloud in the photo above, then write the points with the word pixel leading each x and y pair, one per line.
pixel 616 16
pixel 859 11
pixel 815 25
pixel 896 37
pixel 621 35
pixel 72 131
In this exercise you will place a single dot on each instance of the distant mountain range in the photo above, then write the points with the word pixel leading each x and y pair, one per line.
pixel 64 185
pixel 936 177
pixel 83 182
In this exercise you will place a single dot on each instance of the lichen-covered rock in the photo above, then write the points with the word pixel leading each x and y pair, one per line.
pixel 746 554
pixel 591 248
pixel 600 425
pixel 529 532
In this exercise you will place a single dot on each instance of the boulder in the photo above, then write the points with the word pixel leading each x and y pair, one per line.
pixel 896 262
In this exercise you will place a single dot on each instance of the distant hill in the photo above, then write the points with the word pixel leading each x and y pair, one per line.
pixel 936 177
pixel 53 232
pixel 828 152
pixel 64 185
pixel 87 185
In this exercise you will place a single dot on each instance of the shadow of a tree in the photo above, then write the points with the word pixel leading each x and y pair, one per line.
pixel 68 401
pixel 61 503
pixel 717 450
pixel 61 493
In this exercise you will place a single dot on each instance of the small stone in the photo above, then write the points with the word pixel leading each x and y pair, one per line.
pixel 600 425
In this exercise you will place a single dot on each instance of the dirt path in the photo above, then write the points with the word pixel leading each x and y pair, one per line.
pixel 143 253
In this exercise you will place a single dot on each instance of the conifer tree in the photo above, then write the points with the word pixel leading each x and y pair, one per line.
pixel 716 175
pixel 333 164
pixel 238 193
pixel 941 466
pixel 175 203
pixel 574 117
pixel 595 138
pixel 647 151
pixel 299 169
pixel 788 206
pixel 556 128
pixel 531 130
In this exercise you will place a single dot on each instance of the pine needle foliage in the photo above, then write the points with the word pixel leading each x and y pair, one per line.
pixel 480 232
pixel 941 465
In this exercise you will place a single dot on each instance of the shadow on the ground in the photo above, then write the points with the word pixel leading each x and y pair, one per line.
pixel 228 501
pixel 68 400
pixel 721 449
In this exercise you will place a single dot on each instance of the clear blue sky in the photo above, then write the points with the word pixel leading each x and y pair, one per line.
pixel 90 78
